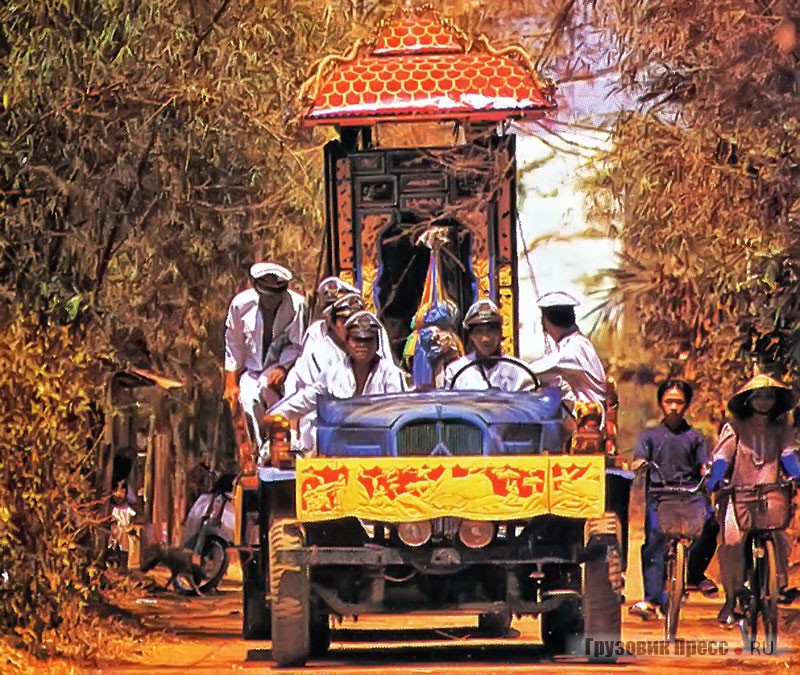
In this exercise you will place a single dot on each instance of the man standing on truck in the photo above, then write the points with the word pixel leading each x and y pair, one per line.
pixel 568 351
pixel 263 334
pixel 481 369
pixel 360 373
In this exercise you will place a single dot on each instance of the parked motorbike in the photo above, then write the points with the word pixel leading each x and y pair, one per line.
pixel 208 532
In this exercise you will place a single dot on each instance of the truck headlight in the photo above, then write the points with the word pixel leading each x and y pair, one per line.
pixel 416 533
pixel 476 533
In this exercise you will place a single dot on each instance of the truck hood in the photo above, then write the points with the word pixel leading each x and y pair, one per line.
pixel 492 406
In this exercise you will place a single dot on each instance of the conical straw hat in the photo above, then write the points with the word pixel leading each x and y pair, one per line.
pixel 784 399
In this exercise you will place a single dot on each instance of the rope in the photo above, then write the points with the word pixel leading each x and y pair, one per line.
pixel 527 256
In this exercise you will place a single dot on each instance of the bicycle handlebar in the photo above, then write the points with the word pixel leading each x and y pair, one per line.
pixel 676 489
pixel 792 482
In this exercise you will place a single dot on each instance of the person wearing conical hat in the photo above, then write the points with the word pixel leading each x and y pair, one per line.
pixel 360 373
pixel 754 448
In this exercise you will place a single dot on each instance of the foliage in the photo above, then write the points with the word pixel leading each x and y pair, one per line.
pixel 149 152
pixel 48 418
pixel 703 180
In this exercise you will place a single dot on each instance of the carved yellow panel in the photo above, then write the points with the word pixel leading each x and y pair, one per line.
pixel 577 486
pixel 368 274
pixel 506 303
pixel 480 268
pixel 394 489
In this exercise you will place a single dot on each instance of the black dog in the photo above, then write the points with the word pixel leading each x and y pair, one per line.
pixel 177 560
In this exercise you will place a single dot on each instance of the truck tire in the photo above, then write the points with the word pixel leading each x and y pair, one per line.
pixel 256 617
pixel 601 604
pixel 290 589
pixel 598 613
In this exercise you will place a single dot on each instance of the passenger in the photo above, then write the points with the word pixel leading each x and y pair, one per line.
pixel 263 334
pixel 362 372
pixel 322 354
pixel 752 449
pixel 330 289
pixel 681 453
pixel 480 370
pixel 326 346
pixel 568 351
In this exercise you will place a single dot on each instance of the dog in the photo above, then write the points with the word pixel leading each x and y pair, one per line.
pixel 177 560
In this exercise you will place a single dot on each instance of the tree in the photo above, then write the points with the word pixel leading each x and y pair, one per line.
pixel 150 152
pixel 703 178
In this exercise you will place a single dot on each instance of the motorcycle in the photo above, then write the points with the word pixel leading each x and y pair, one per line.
pixel 208 532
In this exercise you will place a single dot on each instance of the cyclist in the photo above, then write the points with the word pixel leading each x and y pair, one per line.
pixel 752 449
pixel 681 453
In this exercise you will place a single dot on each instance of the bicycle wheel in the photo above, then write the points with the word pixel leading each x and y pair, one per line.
pixel 768 595
pixel 676 575
pixel 750 600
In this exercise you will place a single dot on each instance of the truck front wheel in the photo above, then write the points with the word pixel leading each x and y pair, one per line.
pixel 601 605
pixel 290 588
pixel 574 625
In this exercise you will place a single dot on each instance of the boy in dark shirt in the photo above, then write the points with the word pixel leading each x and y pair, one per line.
pixel 681 453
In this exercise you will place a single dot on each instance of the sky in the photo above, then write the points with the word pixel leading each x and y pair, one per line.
pixel 551 206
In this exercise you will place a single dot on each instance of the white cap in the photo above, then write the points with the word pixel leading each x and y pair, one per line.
pixel 363 324
pixel 346 305
pixel 483 311
pixel 262 269
pixel 557 299
pixel 331 288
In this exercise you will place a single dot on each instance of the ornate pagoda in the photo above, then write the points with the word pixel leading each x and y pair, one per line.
pixel 420 68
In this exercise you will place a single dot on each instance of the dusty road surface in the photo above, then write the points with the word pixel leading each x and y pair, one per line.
pixel 206 640
pixel 203 637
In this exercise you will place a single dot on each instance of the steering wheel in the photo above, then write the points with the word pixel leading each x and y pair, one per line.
pixel 497 359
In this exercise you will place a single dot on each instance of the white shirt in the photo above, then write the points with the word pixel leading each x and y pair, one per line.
pixel 339 381
pixel 244 330
pixel 319 353
pixel 575 359
pixel 496 375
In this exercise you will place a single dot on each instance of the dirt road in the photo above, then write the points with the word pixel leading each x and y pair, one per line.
pixel 204 638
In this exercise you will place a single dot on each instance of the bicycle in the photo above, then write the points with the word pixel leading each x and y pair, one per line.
pixel 681 512
pixel 761 510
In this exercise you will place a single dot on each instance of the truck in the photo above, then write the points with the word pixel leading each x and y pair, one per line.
pixel 444 502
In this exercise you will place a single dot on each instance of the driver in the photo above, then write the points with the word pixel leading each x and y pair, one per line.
pixel 480 368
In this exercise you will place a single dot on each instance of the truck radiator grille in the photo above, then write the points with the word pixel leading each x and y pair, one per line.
pixel 439 437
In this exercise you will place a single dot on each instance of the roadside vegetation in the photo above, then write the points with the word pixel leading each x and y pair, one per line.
pixel 150 151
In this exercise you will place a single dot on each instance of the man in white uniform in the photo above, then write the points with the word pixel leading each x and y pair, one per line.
pixel 360 373
pixel 483 324
pixel 569 352
pixel 263 334
pixel 320 355
pixel 330 289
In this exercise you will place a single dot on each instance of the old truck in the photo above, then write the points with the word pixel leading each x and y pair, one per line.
pixel 438 501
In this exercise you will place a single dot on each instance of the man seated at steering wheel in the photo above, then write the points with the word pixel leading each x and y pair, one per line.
pixel 485 366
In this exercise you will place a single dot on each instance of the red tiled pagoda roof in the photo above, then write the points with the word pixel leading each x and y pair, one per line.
pixel 420 67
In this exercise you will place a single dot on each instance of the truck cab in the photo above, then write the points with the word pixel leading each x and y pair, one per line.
pixel 440 501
